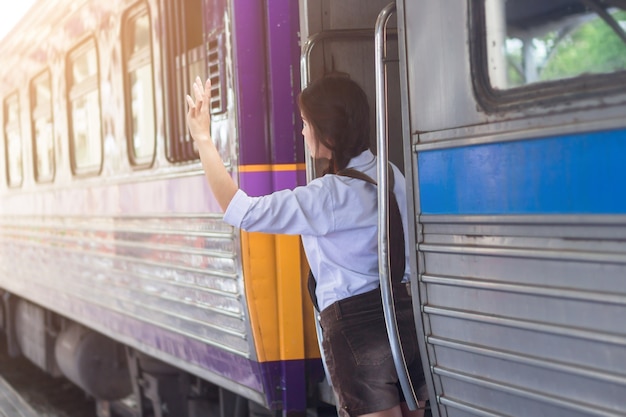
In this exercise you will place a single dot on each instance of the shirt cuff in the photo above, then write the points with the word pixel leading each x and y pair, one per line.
pixel 237 208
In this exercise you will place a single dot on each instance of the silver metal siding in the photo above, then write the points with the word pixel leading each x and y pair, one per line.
pixel 524 314
pixel 179 273
pixel 438 71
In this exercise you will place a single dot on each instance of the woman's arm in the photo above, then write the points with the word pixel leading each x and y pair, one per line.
pixel 199 122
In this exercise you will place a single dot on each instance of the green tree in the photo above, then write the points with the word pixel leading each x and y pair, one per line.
pixel 591 48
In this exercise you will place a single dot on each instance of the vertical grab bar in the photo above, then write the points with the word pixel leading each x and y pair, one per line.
pixel 383 207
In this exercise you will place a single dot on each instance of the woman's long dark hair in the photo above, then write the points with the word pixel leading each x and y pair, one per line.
pixel 336 108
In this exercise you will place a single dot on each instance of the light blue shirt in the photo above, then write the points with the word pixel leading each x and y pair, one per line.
pixel 337 217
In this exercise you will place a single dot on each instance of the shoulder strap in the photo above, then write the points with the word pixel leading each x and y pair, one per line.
pixel 396 229
pixel 353 173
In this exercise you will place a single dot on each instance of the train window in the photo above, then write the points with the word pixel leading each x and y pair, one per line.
pixel 42 127
pixel 84 101
pixel 13 141
pixel 189 54
pixel 531 44
pixel 139 91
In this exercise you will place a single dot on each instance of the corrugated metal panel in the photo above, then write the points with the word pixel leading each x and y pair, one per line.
pixel 178 273
pixel 524 313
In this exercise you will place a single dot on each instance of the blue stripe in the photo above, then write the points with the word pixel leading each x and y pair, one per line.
pixel 573 174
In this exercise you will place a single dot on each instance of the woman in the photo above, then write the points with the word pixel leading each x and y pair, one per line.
pixel 336 215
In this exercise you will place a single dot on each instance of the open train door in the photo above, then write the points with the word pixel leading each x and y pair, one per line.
pixel 361 38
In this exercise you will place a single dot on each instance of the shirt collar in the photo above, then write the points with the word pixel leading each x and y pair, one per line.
pixel 364 158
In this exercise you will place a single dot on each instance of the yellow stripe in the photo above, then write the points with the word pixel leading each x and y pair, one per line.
pixel 281 314
pixel 271 168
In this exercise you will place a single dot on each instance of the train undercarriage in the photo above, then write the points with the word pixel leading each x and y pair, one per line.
pixel 123 381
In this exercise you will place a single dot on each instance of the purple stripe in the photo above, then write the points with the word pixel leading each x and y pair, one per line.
pixel 226 364
pixel 250 81
pixel 174 195
pixel 266 56
pixel 284 383
pixel 287 382
pixel 262 183
pixel 284 76
pixel 185 195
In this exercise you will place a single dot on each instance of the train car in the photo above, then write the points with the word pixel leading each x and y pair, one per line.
pixel 507 117
pixel 516 131
pixel 115 267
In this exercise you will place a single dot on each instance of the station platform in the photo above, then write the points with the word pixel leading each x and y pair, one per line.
pixel 12 404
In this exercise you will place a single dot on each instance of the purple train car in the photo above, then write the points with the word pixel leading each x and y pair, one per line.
pixel 112 246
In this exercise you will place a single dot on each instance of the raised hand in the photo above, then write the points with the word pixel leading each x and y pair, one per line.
pixel 198 114
pixel 199 122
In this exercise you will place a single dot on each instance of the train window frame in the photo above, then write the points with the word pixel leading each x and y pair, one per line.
pixel 541 94
pixel 180 61
pixel 9 126
pixel 133 61
pixel 177 82
pixel 78 91
pixel 38 112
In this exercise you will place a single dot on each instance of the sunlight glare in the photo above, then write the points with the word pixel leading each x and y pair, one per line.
pixel 11 13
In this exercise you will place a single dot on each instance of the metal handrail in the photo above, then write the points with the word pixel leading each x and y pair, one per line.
pixel 383 207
